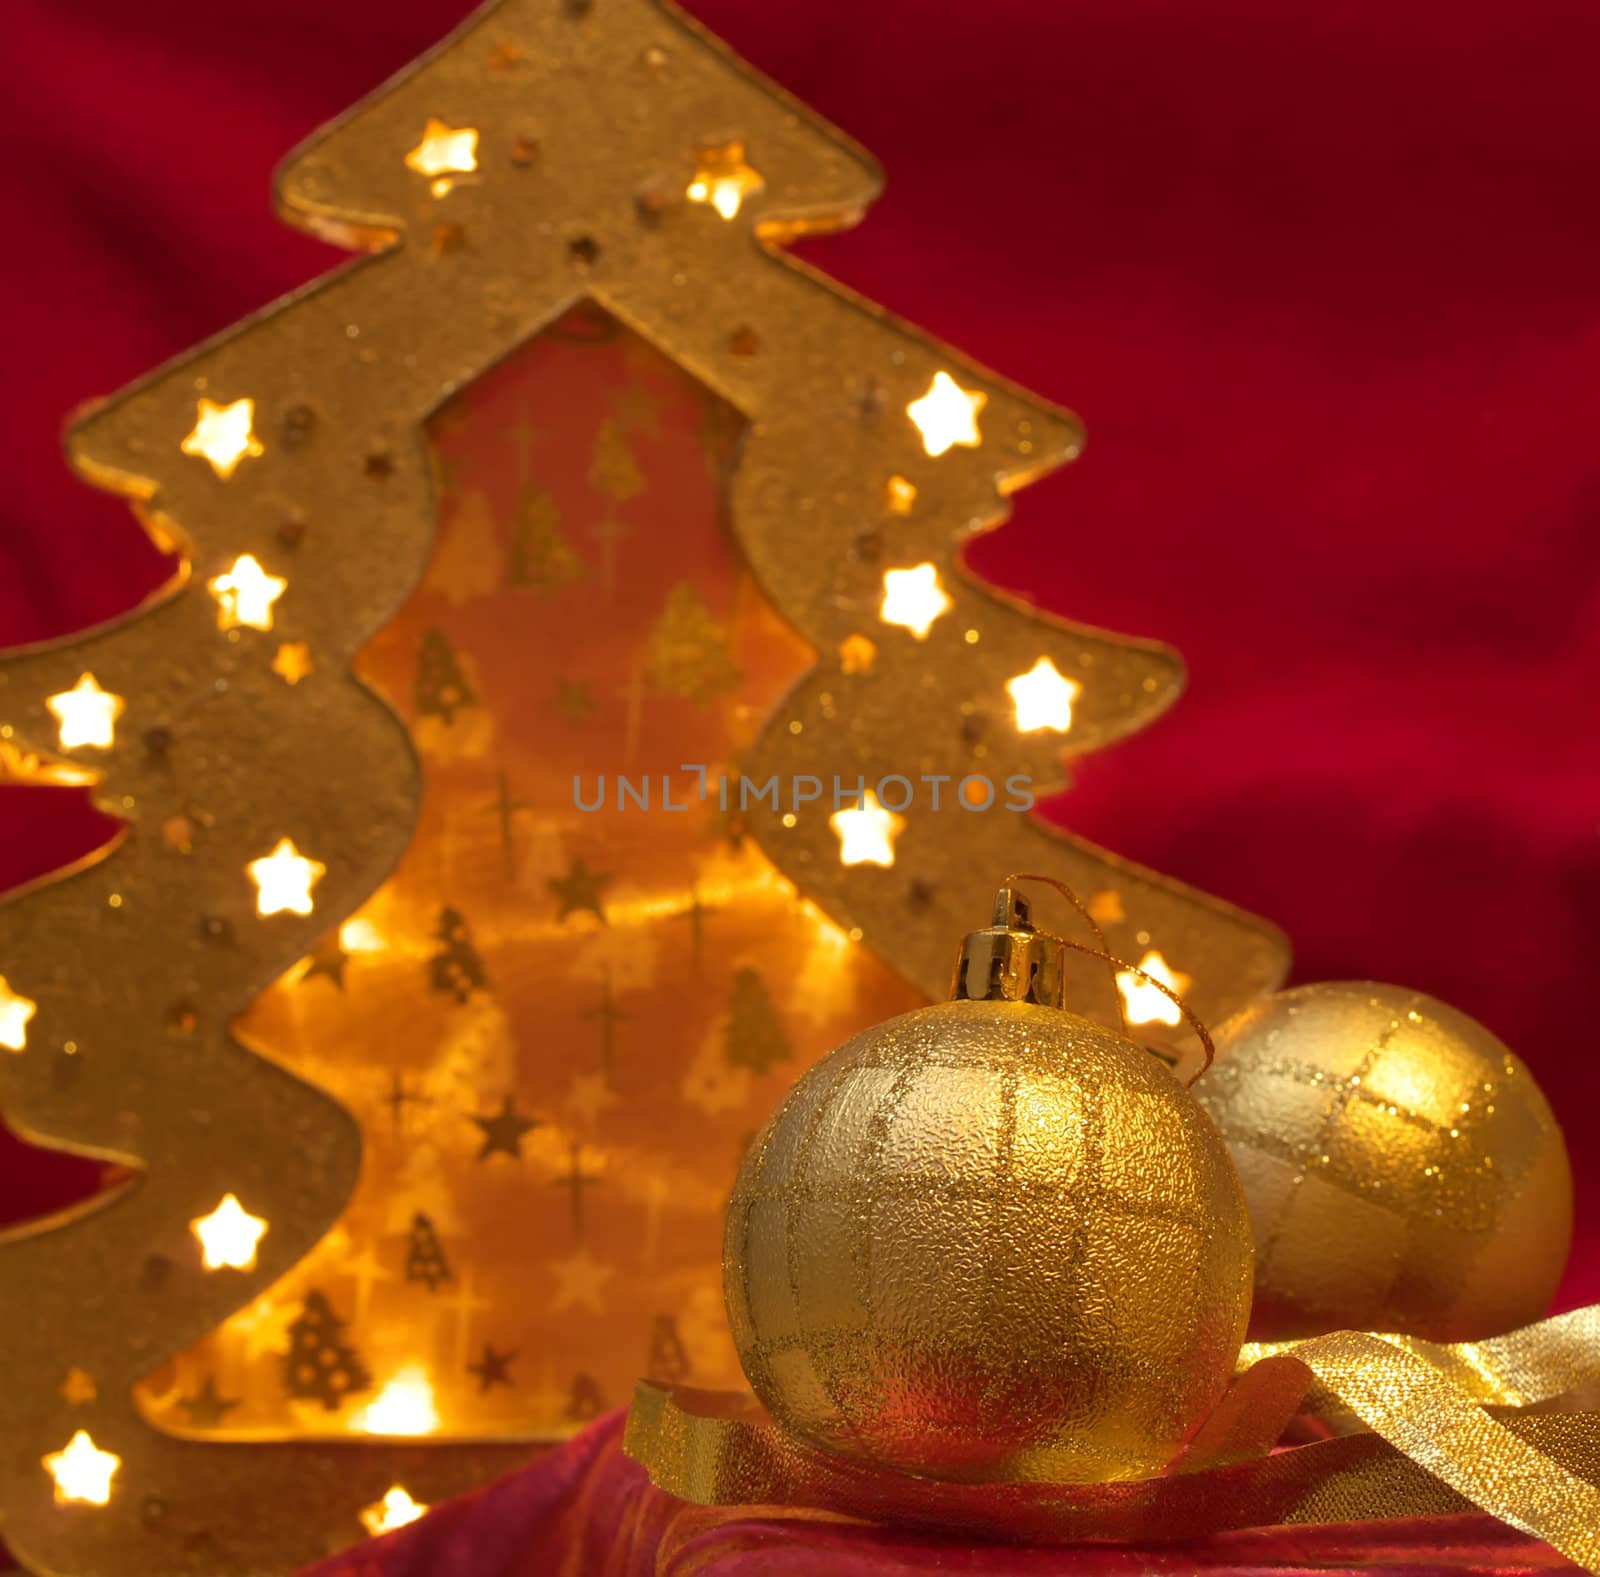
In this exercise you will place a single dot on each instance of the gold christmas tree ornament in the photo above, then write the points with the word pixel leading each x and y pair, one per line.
pixel 1404 1171
pixel 576 472
pixel 990 1240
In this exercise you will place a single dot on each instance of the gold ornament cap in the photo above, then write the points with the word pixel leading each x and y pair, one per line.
pixel 1010 960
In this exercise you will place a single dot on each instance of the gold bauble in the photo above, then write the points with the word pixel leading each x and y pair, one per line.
pixel 1404 1171
pixel 989 1241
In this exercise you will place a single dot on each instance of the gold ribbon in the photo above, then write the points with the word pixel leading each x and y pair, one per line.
pixel 1498 1425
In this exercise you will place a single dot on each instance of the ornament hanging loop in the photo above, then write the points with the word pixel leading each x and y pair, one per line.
pixel 1113 963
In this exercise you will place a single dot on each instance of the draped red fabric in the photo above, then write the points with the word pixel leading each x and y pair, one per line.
pixel 1324 280
pixel 587 1511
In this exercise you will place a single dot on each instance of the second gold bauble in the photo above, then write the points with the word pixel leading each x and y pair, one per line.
pixel 989 1240
pixel 1404 1171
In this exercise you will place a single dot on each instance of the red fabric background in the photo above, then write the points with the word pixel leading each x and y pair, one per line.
pixel 1324 280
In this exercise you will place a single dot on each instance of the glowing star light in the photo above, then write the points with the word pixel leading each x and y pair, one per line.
pixel 444 150
pixel 723 179
pixel 395 1510
pixel 284 880
pixel 82 1471
pixel 87 714
pixel 1141 1001
pixel 914 598
pixel 899 495
pixel 947 415
pixel 229 1235
pixel 293 662
pixel 224 435
pixel 866 832
pixel 245 594
pixel 403 1407
pixel 1043 698
pixel 15 1011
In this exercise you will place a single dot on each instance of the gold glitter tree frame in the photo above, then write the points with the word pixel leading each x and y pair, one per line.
pixel 545 153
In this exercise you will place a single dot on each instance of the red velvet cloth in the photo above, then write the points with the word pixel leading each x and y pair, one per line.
pixel 1324 279
pixel 587 1511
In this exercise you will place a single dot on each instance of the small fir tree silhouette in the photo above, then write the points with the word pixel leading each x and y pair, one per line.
pixel 612 468
pixel 754 1036
pixel 441 687
pixel 320 1366
pixel 669 1359
pixel 585 1400
pixel 456 968
pixel 689 653
pixel 539 556
pixel 425 1258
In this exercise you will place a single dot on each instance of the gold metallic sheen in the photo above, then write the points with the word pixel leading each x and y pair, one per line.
pixel 590 124
pixel 989 1241
pixel 1404 1171
pixel 1446 1430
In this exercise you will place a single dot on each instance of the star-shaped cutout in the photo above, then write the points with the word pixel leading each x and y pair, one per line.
pixel 444 150
pixel 82 1471
pixel 572 698
pixel 78 1387
pixel 87 715
pixel 492 1369
pixel 229 1235
pixel 579 889
pixel 1043 698
pixel 866 832
pixel 1106 907
pixel 723 179
pixel 207 1407
pixel 504 56
pixel 245 593
pixel 913 598
pixel 1144 1003
pixel 293 662
pixel 503 1133
pixel 224 435
pixel 899 495
pixel 580 1283
pixel 856 654
pixel 947 415
pixel 395 1510
pixel 15 1012
pixel 284 880
pixel 590 1095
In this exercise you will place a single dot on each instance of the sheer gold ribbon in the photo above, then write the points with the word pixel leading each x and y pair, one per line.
pixel 1501 1425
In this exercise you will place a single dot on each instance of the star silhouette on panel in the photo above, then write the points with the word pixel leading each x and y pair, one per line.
pixel 207 1408
pixel 492 1369
pixel 579 889
pixel 580 1283
pixel 572 697
pixel 502 1133
pixel 329 959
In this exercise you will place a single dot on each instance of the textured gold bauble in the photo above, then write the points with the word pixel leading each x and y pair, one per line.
pixel 1404 1171
pixel 988 1241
